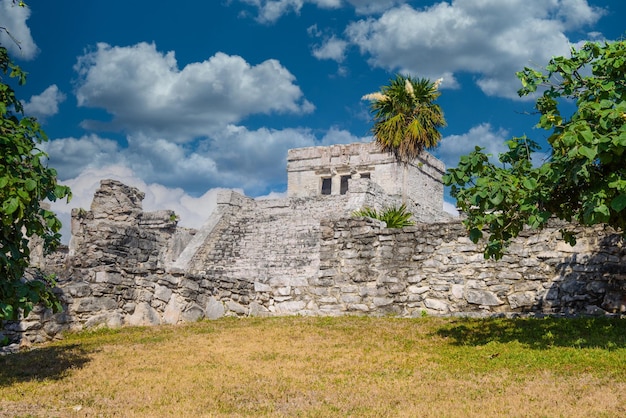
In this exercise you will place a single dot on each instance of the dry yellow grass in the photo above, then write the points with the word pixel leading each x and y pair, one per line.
pixel 312 367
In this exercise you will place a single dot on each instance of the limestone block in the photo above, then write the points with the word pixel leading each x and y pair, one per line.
pixel 214 309
pixel 382 301
pixel 597 286
pixel 170 279
pixel 256 309
pixel 108 277
pixel 529 262
pixel 482 297
pixel 504 288
pixel 236 307
pixel 474 284
pixel 361 307
pixel 172 312
pixel 290 307
pixel 162 293
pixel 509 275
pixel 144 315
pixel 331 310
pixel 594 310
pixel 283 291
pixel 395 288
pixel 262 287
pixel 418 290
pixel 415 279
pixel 108 319
pixel 522 299
pixel 349 298
pixel 526 286
pixel 615 301
pixel 457 291
pixel 552 293
pixel 29 325
pixel 193 313
pixel 411 298
pixel 319 291
pixel 78 290
pixel 190 284
pixel 144 296
pixel 94 304
pixel 436 304
pixel 350 288
pixel 117 200
pixel 52 328
pixel 582 246
pixel 549 255
pixel 572 286
pixel 321 281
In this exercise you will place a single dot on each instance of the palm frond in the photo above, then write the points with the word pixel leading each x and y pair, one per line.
pixel 407 121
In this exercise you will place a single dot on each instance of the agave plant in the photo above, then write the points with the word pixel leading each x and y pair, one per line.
pixel 394 217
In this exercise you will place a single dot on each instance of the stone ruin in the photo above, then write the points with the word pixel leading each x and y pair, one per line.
pixel 307 255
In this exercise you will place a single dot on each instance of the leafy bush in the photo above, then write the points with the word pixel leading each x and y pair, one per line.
pixel 25 181
pixel 394 217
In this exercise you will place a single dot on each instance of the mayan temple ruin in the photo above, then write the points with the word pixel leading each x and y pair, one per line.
pixel 306 254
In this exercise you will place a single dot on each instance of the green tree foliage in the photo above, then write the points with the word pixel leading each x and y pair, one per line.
pixel 394 217
pixel 582 181
pixel 24 183
pixel 406 119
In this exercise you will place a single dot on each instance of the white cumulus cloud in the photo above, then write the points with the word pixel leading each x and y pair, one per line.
pixel 269 11
pixel 452 147
pixel 491 39
pixel 45 104
pixel 145 91
pixel 332 48
pixel 256 159
pixel 374 6
pixel 71 156
pixel 237 157
pixel 16 36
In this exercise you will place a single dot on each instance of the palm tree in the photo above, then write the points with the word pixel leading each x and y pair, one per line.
pixel 406 120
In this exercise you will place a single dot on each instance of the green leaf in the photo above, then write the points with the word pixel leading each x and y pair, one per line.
pixel 619 203
pixel 475 234
pixel 30 185
pixel 590 153
pixel 602 209
pixel 11 206
pixel 497 198
pixel 587 136
pixel 530 183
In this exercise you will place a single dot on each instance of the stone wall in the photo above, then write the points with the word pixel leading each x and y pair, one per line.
pixel 308 256
pixel 436 269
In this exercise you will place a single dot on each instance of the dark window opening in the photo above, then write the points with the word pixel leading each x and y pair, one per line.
pixel 326 186
pixel 365 175
pixel 343 189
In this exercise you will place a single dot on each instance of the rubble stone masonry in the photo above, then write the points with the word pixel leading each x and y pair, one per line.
pixel 309 256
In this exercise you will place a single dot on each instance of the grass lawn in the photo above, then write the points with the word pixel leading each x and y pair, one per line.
pixel 327 367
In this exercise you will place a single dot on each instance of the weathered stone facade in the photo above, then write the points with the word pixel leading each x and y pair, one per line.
pixel 332 170
pixel 309 256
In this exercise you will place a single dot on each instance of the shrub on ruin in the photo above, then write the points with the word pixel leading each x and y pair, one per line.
pixel 25 182
pixel 583 176
pixel 394 216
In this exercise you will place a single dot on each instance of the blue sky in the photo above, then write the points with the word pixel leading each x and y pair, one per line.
pixel 183 98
